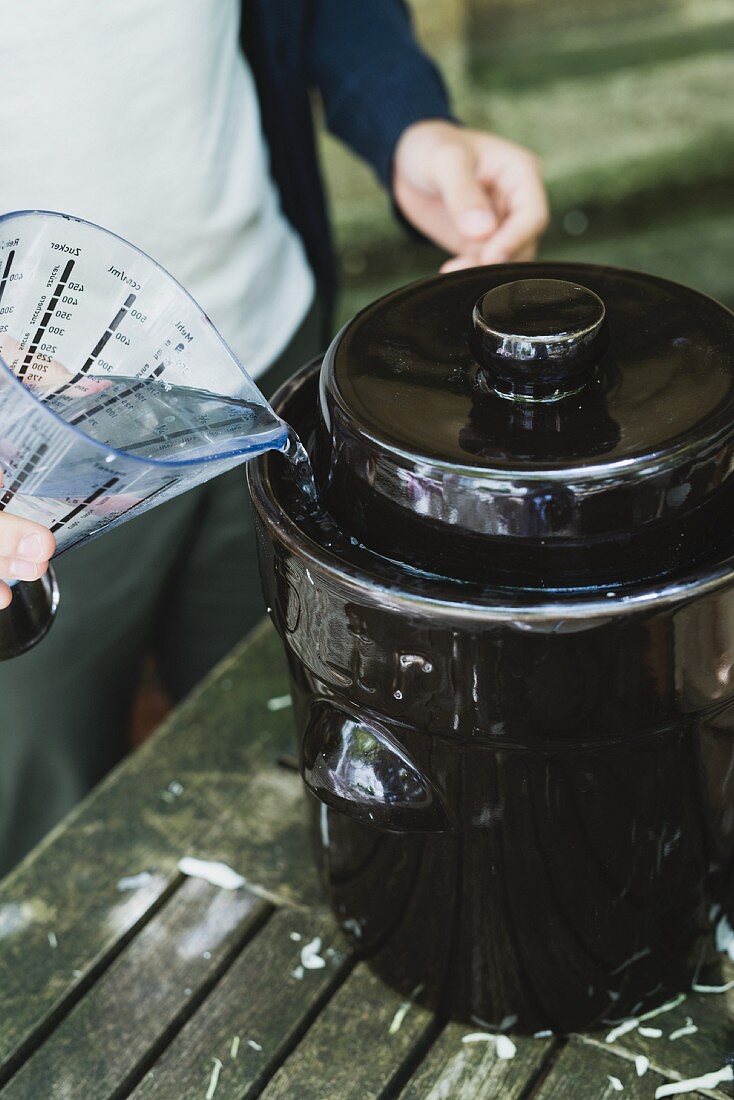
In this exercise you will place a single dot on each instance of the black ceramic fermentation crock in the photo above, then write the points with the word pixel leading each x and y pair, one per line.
pixel 510 632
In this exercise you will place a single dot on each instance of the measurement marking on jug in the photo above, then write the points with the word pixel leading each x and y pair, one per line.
pixel 85 504
pixel 184 433
pixel 118 515
pixel 106 335
pixel 41 330
pixel 151 496
pixel 6 272
pixel 117 397
pixel 23 475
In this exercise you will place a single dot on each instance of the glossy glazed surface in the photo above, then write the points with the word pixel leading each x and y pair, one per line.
pixel 319 539
pixel 404 368
pixel 539 339
pixel 529 817
pixel 417 456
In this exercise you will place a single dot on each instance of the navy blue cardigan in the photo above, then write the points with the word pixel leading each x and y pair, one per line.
pixel 374 81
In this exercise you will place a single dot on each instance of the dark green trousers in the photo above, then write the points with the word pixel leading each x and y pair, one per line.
pixel 180 582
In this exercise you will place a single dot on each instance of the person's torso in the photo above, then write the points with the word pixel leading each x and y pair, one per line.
pixel 143 117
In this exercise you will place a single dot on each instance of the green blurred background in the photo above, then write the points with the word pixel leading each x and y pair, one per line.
pixel 629 103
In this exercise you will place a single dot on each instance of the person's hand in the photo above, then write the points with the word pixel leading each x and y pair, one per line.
pixel 25 550
pixel 475 194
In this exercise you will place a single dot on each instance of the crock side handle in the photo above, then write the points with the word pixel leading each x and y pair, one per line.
pixel 356 768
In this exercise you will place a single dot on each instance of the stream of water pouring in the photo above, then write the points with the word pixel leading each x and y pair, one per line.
pixel 303 477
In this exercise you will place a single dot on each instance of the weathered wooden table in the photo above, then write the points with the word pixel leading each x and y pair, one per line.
pixel 165 986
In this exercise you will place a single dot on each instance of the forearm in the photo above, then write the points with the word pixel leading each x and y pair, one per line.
pixel 374 79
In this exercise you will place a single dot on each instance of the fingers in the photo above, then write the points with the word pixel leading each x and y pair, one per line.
pixel 475 259
pixel 509 177
pixel 458 263
pixel 7 570
pixel 522 195
pixel 523 200
pixel 475 194
pixel 24 539
pixel 20 569
pixel 466 200
pixel 516 237
pixel 525 255
pixel 25 550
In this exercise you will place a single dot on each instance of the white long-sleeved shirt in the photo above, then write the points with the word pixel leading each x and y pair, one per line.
pixel 142 116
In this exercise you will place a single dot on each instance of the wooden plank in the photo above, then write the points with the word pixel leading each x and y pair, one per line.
pixel 261 1006
pixel 453 1070
pixel 349 1052
pixel 584 1071
pixel 62 916
pixel 98 1048
pixel 689 1055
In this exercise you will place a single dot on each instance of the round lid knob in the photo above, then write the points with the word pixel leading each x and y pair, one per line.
pixel 539 339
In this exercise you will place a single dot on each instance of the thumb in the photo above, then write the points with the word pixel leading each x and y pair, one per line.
pixel 466 200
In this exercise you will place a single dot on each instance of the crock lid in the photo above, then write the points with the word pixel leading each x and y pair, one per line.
pixel 529 401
